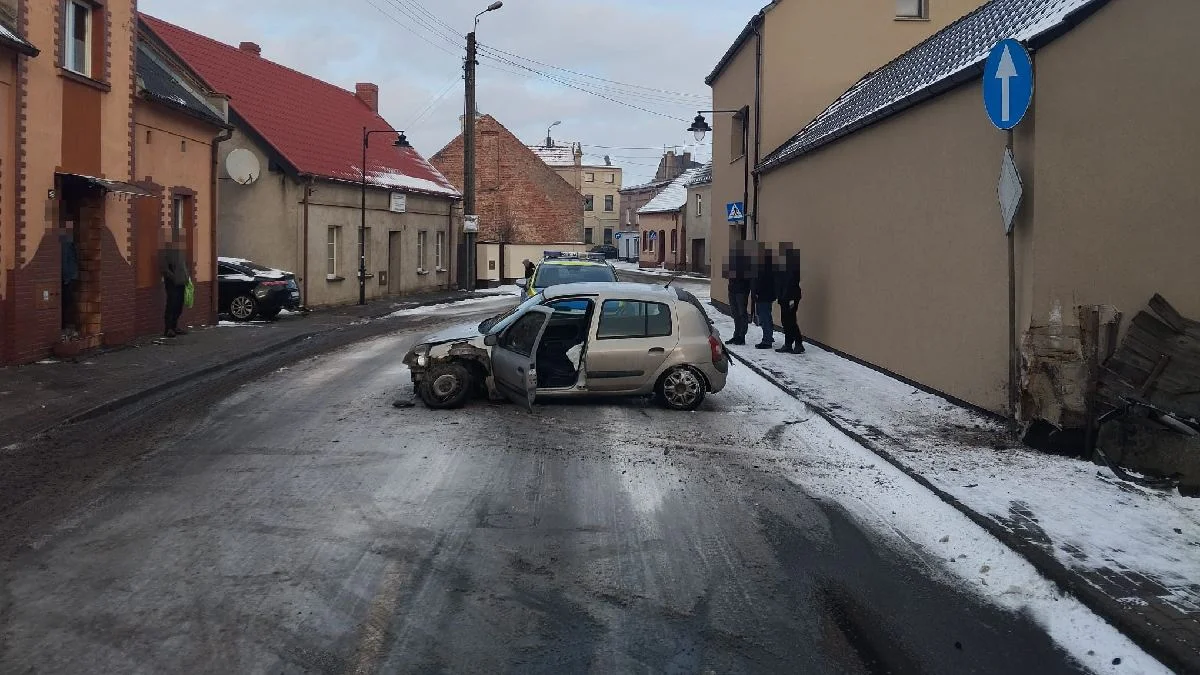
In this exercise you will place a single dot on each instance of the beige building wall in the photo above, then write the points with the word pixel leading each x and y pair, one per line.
pixel 265 222
pixel 600 182
pixel 1116 170
pixel 808 60
pixel 903 251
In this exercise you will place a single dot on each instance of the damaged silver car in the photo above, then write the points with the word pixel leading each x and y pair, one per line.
pixel 574 340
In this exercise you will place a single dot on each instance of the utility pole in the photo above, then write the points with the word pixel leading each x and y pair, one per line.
pixel 468 257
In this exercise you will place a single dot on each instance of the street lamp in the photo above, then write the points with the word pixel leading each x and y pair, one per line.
pixel 550 141
pixel 700 128
pixel 469 153
pixel 401 142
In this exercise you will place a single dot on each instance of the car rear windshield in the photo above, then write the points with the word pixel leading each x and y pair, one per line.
pixel 552 275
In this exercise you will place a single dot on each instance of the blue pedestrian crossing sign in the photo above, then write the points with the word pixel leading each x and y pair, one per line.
pixel 736 211
pixel 1007 84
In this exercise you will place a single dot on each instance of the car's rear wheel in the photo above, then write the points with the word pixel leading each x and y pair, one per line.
pixel 681 388
pixel 446 385
pixel 243 308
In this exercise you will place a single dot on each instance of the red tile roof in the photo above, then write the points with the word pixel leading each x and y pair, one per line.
pixel 316 126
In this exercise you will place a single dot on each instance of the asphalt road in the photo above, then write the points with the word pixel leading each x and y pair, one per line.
pixel 298 522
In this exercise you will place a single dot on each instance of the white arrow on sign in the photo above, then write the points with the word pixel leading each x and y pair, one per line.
pixel 1005 72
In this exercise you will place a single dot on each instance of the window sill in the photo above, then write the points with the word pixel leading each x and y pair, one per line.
pixel 68 74
pixel 441 270
pixel 334 277
pixel 912 18
pixel 422 273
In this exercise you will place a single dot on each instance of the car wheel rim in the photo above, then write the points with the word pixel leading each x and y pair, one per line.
pixel 444 387
pixel 242 308
pixel 682 388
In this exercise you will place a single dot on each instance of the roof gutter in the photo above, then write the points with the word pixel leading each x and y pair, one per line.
pixel 21 47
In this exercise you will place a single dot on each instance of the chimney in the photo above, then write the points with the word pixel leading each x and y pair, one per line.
pixel 687 161
pixel 251 47
pixel 368 93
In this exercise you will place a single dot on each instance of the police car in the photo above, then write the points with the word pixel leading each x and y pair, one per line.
pixel 558 267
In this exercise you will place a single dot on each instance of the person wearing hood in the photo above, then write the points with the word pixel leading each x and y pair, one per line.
pixel 174 268
pixel 765 295
pixel 788 290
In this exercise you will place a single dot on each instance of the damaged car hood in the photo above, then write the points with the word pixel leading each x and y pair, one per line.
pixel 465 332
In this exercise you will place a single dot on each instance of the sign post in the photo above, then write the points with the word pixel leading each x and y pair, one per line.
pixel 1007 95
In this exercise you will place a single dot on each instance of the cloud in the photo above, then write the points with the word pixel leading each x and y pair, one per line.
pixel 413 50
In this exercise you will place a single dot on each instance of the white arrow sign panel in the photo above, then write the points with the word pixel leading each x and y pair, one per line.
pixel 1005 73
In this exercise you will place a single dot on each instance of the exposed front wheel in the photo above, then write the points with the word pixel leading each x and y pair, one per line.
pixel 243 308
pixel 681 388
pixel 446 385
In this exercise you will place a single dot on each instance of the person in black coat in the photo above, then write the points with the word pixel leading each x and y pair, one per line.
pixel 736 271
pixel 788 288
pixel 764 295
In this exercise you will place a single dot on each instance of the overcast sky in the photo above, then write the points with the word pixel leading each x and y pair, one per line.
pixel 665 46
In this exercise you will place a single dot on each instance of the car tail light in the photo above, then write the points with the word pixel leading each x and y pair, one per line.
pixel 273 283
pixel 714 345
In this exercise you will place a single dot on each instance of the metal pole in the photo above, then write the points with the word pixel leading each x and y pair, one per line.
pixel 362 228
pixel 746 180
pixel 1014 364
pixel 469 160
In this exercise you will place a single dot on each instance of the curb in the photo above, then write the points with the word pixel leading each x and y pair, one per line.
pixel 1045 563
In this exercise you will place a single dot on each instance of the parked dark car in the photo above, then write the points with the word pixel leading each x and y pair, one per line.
pixel 248 290
pixel 608 250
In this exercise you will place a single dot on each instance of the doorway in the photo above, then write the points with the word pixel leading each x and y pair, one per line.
pixel 81 228
pixel 699 257
pixel 395 250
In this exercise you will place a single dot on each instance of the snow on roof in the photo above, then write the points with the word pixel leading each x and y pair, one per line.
pixel 703 177
pixel 674 196
pixel 948 58
pixel 556 155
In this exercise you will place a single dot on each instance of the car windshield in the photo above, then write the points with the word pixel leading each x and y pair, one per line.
pixel 499 323
pixel 552 275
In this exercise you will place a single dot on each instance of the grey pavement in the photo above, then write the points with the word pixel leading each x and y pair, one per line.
pixel 37 396
pixel 297 522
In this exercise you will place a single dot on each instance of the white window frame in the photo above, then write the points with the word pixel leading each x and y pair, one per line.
pixel 589 176
pixel 439 247
pixel 699 205
pixel 921 13
pixel 333 245
pixel 422 243
pixel 73 7
pixel 610 178
pixel 178 219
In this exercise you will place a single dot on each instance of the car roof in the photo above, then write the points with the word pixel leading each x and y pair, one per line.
pixel 613 290
pixel 574 262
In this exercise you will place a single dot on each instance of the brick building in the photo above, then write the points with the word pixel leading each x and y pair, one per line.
pixel 519 198
pixel 70 182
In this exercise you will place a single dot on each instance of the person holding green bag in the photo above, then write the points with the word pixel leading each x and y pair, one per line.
pixel 177 282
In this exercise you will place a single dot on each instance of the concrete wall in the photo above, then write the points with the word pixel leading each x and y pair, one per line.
pixel 1116 205
pixel 261 221
pixel 515 253
pixel 903 249
pixel 903 252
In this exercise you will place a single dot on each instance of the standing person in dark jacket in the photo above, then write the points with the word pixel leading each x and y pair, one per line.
pixel 173 263
pixel 764 295
pixel 788 289
pixel 737 271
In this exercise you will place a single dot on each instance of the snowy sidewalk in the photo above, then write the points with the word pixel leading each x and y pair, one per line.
pixel 1131 554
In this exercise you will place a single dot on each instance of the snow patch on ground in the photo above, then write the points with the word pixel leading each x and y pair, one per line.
pixel 918 525
pixel 1089 519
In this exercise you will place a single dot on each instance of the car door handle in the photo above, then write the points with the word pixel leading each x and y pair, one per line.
pixel 657 350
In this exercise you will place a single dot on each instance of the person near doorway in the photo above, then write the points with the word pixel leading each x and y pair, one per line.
pixel 173 262
pixel 736 271
pixel 788 290
pixel 764 295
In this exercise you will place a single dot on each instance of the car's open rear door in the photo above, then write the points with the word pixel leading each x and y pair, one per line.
pixel 514 356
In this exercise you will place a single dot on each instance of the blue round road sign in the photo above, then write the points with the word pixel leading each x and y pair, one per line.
pixel 1007 84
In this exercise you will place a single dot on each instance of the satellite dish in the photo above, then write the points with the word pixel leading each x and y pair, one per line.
pixel 243 167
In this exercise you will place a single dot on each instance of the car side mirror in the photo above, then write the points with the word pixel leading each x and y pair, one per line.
pixel 491 340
